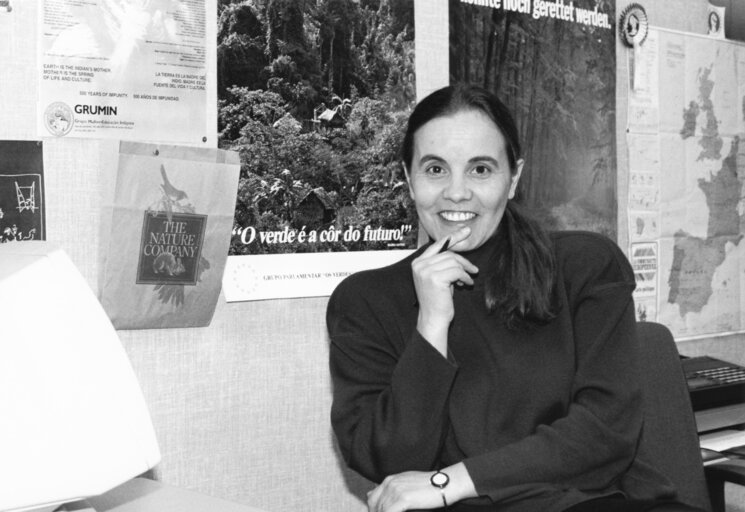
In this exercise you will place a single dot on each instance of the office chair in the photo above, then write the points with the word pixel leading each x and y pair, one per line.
pixel 669 437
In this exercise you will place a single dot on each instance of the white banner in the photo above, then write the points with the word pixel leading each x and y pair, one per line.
pixel 276 276
pixel 126 69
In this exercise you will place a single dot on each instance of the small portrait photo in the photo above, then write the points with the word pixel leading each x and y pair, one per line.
pixel 715 22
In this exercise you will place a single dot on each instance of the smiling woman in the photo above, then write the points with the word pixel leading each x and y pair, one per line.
pixel 462 156
pixel 494 368
pixel 451 188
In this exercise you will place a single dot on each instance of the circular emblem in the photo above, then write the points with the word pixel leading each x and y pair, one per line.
pixel 245 278
pixel 58 119
pixel 633 25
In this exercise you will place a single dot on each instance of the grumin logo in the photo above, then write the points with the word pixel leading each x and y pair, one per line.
pixel 59 119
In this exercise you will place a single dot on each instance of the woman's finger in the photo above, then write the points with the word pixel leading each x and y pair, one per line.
pixel 465 264
pixel 446 270
pixel 458 237
pixel 441 261
pixel 448 242
pixel 437 247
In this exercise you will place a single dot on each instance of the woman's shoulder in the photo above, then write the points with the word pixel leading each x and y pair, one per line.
pixel 385 282
pixel 575 241
pixel 587 255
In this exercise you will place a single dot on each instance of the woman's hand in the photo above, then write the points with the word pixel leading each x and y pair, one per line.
pixel 405 491
pixel 412 490
pixel 435 272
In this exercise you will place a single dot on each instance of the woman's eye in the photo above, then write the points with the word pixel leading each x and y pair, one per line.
pixel 435 170
pixel 481 170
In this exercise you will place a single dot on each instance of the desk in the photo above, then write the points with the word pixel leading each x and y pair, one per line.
pixel 143 495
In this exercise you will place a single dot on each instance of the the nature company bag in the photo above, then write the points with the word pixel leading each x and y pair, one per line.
pixel 170 222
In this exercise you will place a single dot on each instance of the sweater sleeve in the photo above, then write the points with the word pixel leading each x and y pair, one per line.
pixel 391 386
pixel 591 446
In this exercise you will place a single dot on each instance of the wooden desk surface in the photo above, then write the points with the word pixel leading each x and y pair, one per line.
pixel 143 495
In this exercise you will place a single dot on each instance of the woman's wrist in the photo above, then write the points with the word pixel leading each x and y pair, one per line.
pixel 435 332
pixel 460 485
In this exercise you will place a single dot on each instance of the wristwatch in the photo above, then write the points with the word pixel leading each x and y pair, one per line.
pixel 440 480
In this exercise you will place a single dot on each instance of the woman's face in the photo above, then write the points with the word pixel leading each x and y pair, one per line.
pixel 460 176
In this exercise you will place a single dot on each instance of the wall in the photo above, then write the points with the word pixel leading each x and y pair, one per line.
pixel 686 16
pixel 241 407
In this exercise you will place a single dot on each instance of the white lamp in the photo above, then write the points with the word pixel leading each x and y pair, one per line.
pixel 73 420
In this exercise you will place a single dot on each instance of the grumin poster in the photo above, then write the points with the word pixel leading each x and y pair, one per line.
pixel 126 69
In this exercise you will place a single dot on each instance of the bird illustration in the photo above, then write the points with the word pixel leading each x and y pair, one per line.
pixel 167 263
pixel 168 189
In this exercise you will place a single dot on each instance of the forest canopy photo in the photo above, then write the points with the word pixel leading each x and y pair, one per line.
pixel 314 96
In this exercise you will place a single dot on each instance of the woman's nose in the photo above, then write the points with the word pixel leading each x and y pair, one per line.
pixel 457 188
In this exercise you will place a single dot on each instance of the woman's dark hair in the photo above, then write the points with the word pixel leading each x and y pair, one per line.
pixel 520 277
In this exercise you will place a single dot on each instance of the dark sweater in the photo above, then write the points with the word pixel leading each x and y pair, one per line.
pixel 542 418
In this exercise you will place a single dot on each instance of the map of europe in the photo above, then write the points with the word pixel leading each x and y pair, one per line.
pixel 703 170
pixel 695 259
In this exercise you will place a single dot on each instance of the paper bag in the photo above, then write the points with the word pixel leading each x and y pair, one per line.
pixel 168 235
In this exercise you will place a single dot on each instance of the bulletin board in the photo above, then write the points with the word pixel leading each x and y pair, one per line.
pixel 685 206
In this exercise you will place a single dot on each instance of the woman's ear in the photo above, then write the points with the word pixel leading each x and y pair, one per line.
pixel 408 179
pixel 516 178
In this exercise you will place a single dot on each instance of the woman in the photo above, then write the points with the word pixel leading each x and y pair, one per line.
pixel 490 370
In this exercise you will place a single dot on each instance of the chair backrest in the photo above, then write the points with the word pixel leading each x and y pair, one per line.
pixel 669 438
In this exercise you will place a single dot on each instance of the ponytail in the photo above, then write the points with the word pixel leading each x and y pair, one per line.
pixel 520 283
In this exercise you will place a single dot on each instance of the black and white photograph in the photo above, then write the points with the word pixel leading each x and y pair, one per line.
pixel 372 255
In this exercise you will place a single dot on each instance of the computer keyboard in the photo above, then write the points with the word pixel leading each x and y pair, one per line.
pixel 713 382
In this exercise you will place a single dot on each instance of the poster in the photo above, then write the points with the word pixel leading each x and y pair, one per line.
pixel 168 228
pixel 553 64
pixel 125 69
pixel 316 111
pixel 644 259
pixel 326 114
pixel 686 187
pixel 22 208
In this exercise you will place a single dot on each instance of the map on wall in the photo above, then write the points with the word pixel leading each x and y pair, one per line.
pixel 687 170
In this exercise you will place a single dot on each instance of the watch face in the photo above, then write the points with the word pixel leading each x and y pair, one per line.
pixel 439 479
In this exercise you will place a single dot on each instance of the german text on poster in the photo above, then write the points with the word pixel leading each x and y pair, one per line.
pixel 553 64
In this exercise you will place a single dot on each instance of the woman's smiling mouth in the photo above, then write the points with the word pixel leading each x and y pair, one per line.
pixel 454 216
